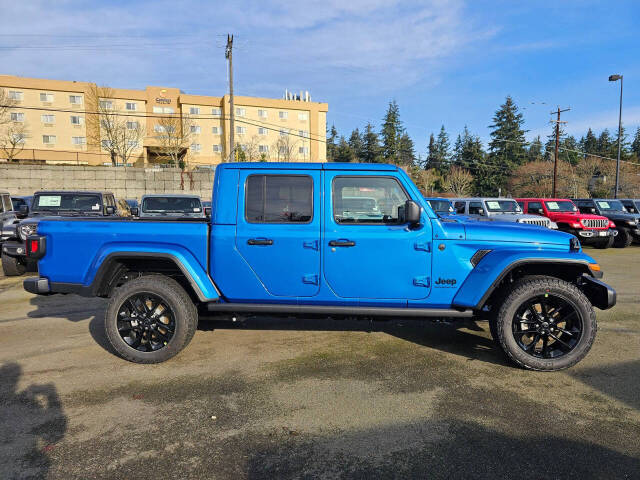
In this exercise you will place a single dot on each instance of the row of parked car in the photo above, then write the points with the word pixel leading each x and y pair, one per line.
pixel 599 222
pixel 14 210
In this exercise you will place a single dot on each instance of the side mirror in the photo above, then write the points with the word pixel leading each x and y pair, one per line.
pixel 24 210
pixel 110 210
pixel 537 211
pixel 592 210
pixel 481 211
pixel 411 212
pixel 135 211
pixel 207 211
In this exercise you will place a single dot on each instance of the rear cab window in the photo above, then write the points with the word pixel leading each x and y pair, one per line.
pixel 367 200
pixel 273 198
pixel 67 201
pixel 476 208
pixel 459 206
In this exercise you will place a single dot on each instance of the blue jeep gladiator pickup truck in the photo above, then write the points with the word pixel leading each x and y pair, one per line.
pixel 289 238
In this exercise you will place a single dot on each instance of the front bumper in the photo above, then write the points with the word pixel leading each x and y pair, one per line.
pixel 589 236
pixel 14 249
pixel 37 285
pixel 599 293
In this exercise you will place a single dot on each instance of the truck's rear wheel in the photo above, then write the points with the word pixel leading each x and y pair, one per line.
pixel 12 266
pixel 604 243
pixel 545 324
pixel 623 239
pixel 150 319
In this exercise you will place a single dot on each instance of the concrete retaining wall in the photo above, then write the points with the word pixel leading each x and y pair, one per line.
pixel 123 182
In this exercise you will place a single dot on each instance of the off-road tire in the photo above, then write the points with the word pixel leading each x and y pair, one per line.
pixel 623 239
pixel 605 243
pixel 185 312
pixel 530 287
pixel 12 266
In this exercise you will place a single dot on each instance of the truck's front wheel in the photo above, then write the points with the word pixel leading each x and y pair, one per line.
pixel 545 323
pixel 150 319
pixel 623 239
pixel 13 266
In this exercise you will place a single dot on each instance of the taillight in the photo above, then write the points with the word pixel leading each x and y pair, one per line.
pixel 36 246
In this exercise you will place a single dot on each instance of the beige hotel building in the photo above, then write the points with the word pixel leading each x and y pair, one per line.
pixel 54 116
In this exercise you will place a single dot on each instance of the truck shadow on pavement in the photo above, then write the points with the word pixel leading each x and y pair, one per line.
pixel 618 381
pixel 464 338
pixel 32 421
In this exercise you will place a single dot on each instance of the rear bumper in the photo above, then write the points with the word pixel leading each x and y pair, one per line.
pixel 37 285
pixel 599 293
pixel 14 249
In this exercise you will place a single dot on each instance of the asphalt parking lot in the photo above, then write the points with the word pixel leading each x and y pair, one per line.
pixel 274 398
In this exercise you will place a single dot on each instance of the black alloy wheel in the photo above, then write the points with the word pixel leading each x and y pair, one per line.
pixel 145 322
pixel 547 327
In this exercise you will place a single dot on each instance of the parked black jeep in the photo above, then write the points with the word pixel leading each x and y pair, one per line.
pixel 7 214
pixel 47 204
pixel 627 224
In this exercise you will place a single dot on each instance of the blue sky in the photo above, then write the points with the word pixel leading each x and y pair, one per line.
pixel 444 62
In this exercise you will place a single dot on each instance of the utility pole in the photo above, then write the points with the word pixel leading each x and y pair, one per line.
pixel 229 56
pixel 555 160
pixel 615 78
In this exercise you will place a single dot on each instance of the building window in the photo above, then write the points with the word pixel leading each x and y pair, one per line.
pixel 49 139
pixel 106 144
pixel 133 143
pixel 303 150
pixel 269 199
pixel 162 110
pixel 194 111
pixel 106 104
pixel 17 117
pixel 216 111
pixel 18 138
pixel 75 99
pixel 302 116
pixel 241 130
pixel 195 129
pixel 48 118
pixel 76 120
pixel 14 95
pixel 262 131
pixel 283 132
pixel 303 133
pixel 263 148
pixel 217 148
pixel 46 97
pixel 196 147
pixel 131 106
pixel 132 125
pixel 79 140
pixel 282 150
pixel 283 115
pixel 241 112
pixel 158 129
pixel 215 130
pixel 262 113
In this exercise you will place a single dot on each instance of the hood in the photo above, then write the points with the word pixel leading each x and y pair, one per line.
pixel 575 216
pixel 623 216
pixel 510 232
pixel 514 217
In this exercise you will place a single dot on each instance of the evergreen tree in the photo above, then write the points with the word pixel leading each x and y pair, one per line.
pixel 468 151
pixel 391 132
pixel 406 150
pixel 534 153
pixel 357 145
pixel 432 154
pixel 635 145
pixel 370 145
pixel 443 152
pixel 569 150
pixel 331 144
pixel 605 144
pixel 506 148
pixel 343 151
pixel 590 143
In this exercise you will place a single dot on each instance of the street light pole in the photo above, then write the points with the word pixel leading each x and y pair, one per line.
pixel 614 78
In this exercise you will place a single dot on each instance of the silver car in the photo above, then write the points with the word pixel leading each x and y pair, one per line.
pixel 503 209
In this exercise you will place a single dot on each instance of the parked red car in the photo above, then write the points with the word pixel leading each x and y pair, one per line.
pixel 590 229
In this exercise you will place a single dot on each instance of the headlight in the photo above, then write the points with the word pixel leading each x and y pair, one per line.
pixel 632 222
pixel 25 230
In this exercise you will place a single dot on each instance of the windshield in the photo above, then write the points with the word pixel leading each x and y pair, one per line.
pixel 610 206
pixel 503 206
pixel 441 206
pixel 171 204
pixel 76 202
pixel 564 206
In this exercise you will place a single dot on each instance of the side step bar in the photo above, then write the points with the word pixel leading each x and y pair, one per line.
pixel 337 310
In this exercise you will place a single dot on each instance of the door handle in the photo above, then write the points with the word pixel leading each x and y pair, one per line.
pixel 260 241
pixel 342 243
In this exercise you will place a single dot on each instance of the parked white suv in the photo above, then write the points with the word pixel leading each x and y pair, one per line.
pixel 504 209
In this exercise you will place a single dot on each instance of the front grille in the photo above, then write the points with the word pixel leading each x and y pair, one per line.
pixel 542 222
pixel 595 223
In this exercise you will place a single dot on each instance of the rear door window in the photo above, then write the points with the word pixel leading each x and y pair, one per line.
pixel 279 199
pixel 475 208
pixel 459 206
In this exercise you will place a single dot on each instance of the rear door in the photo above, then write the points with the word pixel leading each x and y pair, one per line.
pixel 278 229
pixel 367 253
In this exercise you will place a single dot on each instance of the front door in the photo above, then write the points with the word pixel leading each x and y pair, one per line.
pixel 369 254
pixel 278 230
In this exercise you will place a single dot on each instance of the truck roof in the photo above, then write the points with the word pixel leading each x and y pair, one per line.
pixel 48 192
pixel 308 166
pixel 170 195
pixel 543 199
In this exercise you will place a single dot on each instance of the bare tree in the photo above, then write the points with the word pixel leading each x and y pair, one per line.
pixel 12 138
pixel 284 149
pixel 425 180
pixel 458 181
pixel 251 149
pixel 6 104
pixel 174 137
pixel 116 132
